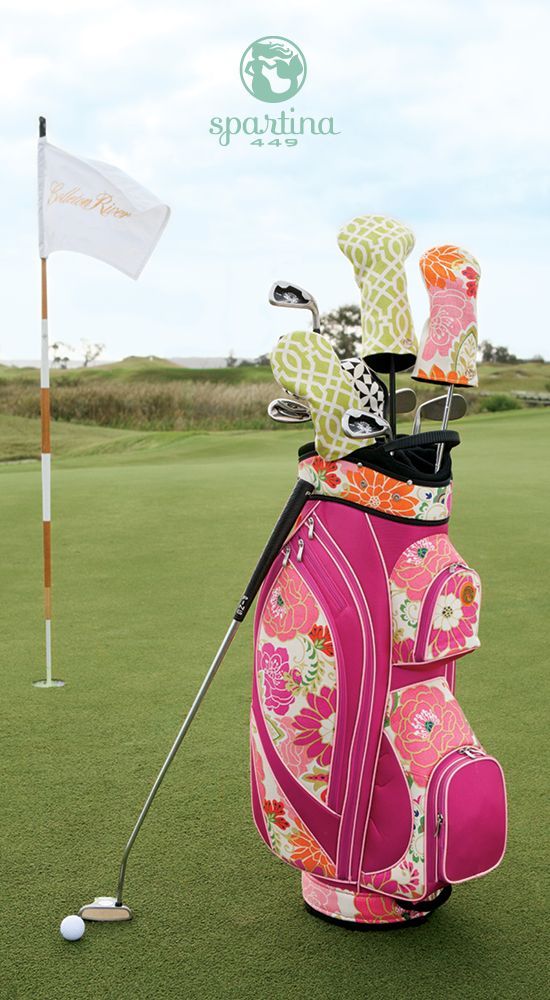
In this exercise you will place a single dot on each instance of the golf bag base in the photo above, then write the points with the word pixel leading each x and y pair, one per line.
pixel 361 910
pixel 365 772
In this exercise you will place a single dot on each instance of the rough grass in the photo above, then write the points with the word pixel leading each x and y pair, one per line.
pixel 148 405
pixel 151 550
pixel 152 394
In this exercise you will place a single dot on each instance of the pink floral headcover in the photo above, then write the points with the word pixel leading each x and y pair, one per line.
pixel 448 346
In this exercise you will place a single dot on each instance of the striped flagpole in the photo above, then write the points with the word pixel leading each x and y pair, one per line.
pixel 45 462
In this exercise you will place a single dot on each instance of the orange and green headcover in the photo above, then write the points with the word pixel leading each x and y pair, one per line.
pixel 448 346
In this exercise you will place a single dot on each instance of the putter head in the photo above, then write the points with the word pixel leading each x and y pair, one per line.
pixel 405 400
pixel 105 909
pixel 359 424
pixel 288 411
pixel 282 293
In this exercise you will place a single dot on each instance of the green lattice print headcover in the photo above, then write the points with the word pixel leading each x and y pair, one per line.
pixel 377 248
pixel 305 364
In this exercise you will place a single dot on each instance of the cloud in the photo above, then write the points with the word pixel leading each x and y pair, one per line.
pixel 441 108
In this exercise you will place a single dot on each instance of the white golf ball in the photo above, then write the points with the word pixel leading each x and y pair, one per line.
pixel 72 928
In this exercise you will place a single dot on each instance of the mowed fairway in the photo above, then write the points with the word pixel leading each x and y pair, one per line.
pixel 152 547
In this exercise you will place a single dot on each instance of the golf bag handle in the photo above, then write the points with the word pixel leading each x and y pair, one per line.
pixel 294 505
pixel 428 905
pixel 452 438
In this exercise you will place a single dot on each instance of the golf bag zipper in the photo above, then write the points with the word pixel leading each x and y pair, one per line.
pixel 428 604
pixel 318 572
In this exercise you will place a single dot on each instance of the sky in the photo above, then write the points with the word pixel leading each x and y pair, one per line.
pixel 442 113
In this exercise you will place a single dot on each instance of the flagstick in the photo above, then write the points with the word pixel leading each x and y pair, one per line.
pixel 45 462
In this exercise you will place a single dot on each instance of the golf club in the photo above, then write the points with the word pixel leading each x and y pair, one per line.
pixel 447 415
pixel 434 409
pixel 292 411
pixel 288 411
pixel 358 424
pixel 282 293
pixel 405 400
pixel 112 908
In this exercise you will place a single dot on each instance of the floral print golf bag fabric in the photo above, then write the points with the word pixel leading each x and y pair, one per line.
pixel 366 774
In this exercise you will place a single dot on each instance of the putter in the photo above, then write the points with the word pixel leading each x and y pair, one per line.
pixel 435 409
pixel 358 424
pixel 288 411
pixel 293 297
pixel 111 908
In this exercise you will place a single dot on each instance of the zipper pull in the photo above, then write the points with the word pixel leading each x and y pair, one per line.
pixel 300 553
pixel 439 824
pixel 471 752
pixel 310 527
pixel 286 555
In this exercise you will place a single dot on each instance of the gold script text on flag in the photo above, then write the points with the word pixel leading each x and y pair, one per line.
pixel 96 209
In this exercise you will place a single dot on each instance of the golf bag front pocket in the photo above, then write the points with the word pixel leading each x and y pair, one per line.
pixel 435 603
pixel 465 817
pixel 458 809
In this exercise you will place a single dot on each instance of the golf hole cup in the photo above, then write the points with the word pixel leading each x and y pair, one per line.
pixel 72 927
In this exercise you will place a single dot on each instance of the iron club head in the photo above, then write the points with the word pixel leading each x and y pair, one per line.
pixel 358 424
pixel 433 409
pixel 282 293
pixel 105 909
pixel 405 400
pixel 288 411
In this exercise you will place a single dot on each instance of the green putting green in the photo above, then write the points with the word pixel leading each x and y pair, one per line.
pixel 152 545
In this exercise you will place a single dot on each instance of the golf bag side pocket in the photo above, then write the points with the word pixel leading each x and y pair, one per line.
pixel 435 603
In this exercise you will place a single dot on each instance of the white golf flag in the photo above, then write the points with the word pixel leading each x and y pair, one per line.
pixel 96 209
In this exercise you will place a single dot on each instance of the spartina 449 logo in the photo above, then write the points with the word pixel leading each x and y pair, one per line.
pixel 273 69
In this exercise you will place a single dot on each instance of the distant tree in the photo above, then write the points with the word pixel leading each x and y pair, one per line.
pixel 231 360
pixel 502 356
pixel 498 355
pixel 60 359
pixel 91 352
pixel 538 358
pixel 487 350
pixel 260 362
pixel 343 327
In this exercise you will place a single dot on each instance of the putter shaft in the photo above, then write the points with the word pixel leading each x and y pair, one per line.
pixel 216 663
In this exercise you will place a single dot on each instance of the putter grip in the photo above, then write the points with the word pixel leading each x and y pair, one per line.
pixel 294 505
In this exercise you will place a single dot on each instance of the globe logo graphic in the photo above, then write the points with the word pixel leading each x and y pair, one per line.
pixel 273 69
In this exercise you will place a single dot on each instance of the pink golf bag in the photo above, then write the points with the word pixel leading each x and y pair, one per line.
pixel 365 773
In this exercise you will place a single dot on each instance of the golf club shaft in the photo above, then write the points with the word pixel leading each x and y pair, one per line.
pixel 216 663
pixel 301 492
pixel 316 318
pixel 393 415
pixel 444 423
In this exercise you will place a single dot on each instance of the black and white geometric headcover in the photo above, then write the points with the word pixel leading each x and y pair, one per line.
pixel 373 392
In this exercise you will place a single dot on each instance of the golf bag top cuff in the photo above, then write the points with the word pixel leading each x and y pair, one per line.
pixel 377 491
